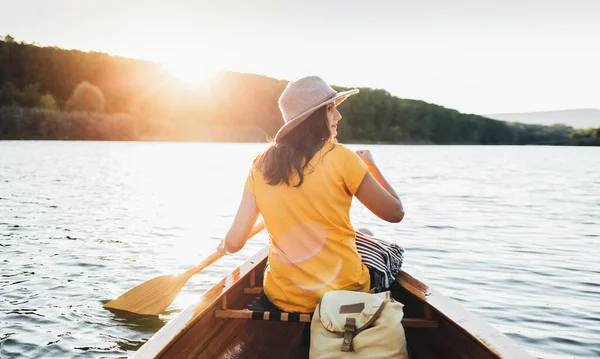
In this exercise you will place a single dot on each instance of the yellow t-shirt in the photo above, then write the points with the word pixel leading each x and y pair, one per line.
pixel 313 245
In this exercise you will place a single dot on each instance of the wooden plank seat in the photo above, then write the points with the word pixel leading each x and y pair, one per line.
pixel 262 309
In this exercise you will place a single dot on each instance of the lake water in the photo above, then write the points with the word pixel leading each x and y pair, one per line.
pixel 511 233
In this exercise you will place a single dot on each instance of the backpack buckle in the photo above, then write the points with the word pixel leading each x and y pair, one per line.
pixel 349 329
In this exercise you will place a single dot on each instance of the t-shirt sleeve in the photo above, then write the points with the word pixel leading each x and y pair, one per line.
pixel 354 170
pixel 249 185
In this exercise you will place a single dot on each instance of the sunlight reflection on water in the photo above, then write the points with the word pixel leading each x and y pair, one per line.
pixel 511 233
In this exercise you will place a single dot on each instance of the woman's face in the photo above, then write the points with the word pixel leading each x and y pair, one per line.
pixel 333 116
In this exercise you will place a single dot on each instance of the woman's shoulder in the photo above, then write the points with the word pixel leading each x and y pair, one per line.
pixel 341 150
pixel 335 153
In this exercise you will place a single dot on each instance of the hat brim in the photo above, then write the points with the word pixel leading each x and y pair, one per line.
pixel 294 122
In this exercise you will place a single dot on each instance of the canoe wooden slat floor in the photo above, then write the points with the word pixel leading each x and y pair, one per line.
pixel 200 331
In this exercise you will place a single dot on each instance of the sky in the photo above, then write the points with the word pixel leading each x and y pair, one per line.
pixel 476 56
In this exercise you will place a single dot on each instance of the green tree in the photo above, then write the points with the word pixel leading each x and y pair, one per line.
pixel 9 94
pixel 47 101
pixel 585 133
pixel 86 97
pixel 31 95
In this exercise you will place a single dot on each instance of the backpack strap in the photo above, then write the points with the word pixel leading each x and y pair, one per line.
pixel 349 330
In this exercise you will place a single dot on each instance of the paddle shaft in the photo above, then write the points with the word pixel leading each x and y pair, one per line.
pixel 217 255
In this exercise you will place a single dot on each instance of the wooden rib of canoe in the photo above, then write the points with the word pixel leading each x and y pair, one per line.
pixel 435 326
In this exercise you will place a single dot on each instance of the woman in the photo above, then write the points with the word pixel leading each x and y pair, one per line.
pixel 303 186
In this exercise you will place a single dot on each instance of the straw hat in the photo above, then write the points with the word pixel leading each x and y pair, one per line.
pixel 302 97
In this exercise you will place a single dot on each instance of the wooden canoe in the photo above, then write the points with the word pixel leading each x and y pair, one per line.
pixel 435 326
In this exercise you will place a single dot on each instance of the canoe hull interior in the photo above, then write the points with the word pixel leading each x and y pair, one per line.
pixel 198 333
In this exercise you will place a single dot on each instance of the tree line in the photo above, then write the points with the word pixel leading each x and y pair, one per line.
pixel 53 93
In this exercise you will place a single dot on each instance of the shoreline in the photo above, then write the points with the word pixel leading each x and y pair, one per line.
pixel 590 142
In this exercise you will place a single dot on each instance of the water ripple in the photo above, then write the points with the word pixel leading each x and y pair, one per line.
pixel 510 233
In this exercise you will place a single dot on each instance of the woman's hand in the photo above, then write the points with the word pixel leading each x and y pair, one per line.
pixel 376 193
pixel 221 248
pixel 366 156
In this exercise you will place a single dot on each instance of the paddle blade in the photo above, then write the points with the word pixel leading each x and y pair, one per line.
pixel 155 295
pixel 150 297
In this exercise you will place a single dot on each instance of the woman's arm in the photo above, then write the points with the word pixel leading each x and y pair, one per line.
pixel 377 194
pixel 241 227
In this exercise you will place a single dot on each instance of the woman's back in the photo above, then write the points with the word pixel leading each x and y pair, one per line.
pixel 306 206
pixel 313 242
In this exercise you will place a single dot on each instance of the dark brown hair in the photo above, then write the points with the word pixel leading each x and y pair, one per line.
pixel 293 152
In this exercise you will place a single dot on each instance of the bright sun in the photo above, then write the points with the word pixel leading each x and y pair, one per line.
pixel 189 71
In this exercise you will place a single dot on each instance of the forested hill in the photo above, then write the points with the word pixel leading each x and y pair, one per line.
pixel 577 118
pixel 52 93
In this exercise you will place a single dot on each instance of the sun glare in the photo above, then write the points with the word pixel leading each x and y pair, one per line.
pixel 190 72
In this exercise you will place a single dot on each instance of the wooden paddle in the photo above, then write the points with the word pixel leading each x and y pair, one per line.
pixel 155 295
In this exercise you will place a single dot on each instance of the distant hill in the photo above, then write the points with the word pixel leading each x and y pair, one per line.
pixel 576 118
pixel 128 99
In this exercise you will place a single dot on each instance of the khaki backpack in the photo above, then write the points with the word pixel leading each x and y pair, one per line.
pixel 350 324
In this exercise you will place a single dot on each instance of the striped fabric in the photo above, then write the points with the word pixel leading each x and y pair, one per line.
pixel 385 258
